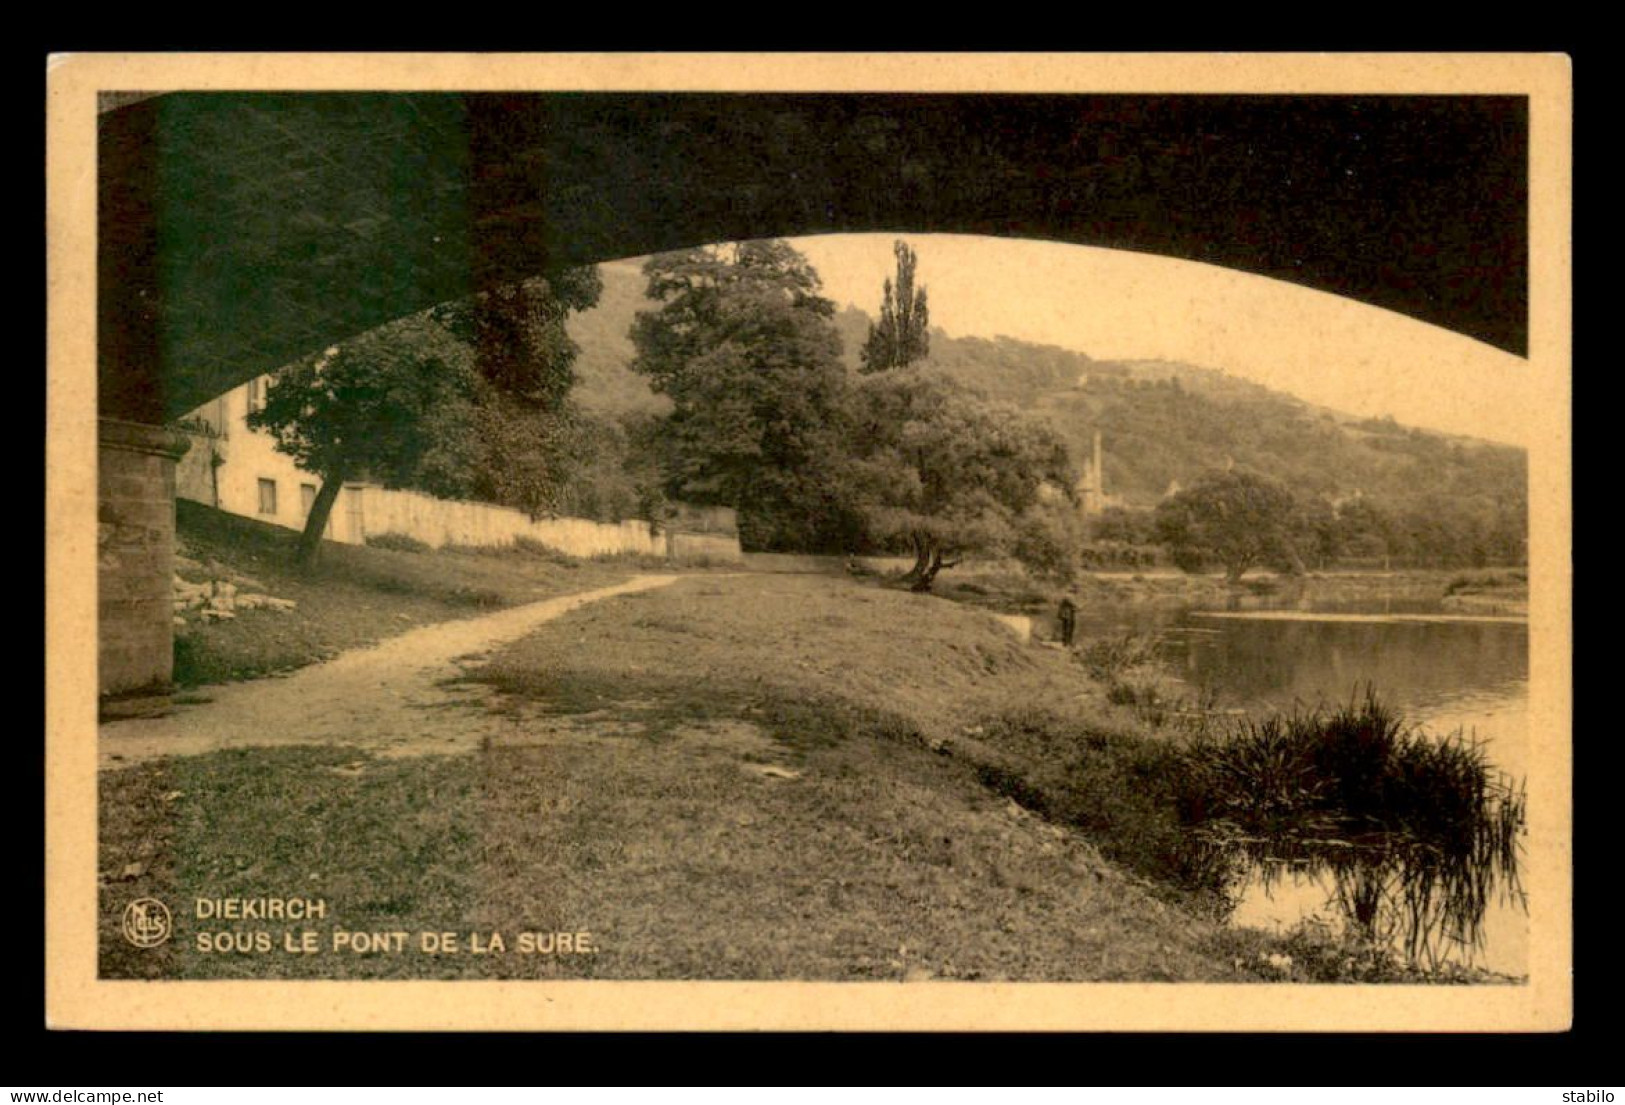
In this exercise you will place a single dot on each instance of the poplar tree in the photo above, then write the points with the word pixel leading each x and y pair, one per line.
pixel 902 336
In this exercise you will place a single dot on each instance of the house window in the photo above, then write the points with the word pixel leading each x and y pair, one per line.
pixel 307 497
pixel 256 394
pixel 267 496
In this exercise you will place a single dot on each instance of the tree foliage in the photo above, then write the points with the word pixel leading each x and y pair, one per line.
pixel 1237 518
pixel 902 336
pixel 377 405
pixel 945 473
pixel 517 332
pixel 743 345
pixel 469 399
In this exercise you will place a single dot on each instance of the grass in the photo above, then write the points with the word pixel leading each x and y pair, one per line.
pixel 1130 666
pixel 1116 786
pixel 729 778
pixel 356 595
pixel 880 862
pixel 763 776
pixel 400 542
pixel 804 638
pixel 387 843
pixel 1107 658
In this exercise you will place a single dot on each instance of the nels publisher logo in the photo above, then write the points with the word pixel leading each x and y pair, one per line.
pixel 146 922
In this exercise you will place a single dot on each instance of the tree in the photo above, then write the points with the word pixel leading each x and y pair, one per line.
pixel 1316 533
pixel 947 473
pixel 517 332
pixel 1366 530
pixel 744 346
pixel 618 476
pixel 902 336
pixel 1240 519
pixel 378 404
pixel 467 399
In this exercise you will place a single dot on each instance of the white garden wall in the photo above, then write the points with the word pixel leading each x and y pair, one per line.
pixel 239 470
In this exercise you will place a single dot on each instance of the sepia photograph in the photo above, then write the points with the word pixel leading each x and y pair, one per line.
pixel 632 541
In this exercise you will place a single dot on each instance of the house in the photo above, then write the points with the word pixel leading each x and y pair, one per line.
pixel 233 468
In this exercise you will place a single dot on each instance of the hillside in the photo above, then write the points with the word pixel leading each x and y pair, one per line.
pixel 1162 422
pixel 604 382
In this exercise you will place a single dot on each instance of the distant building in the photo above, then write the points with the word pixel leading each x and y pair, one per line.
pixel 1091 486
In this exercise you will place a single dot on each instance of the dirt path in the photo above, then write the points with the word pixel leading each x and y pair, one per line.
pixel 388 699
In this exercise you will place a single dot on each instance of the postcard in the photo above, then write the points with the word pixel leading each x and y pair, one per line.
pixel 965 542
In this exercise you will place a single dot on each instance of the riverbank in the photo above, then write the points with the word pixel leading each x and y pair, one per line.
pixel 1500 591
pixel 1005 591
pixel 734 777
pixel 750 776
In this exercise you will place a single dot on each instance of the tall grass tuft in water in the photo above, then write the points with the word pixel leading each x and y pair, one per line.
pixel 1417 830
pixel 1106 658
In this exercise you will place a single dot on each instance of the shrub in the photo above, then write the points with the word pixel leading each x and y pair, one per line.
pixel 1108 657
pixel 1116 787
pixel 399 542
pixel 1469 582
pixel 532 547
pixel 483 597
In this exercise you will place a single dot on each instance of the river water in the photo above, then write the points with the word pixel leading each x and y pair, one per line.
pixel 1446 673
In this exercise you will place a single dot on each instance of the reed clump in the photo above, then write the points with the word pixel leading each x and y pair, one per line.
pixel 1419 831
pixel 1106 658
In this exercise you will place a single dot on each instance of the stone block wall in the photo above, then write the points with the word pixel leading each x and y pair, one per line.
pixel 135 553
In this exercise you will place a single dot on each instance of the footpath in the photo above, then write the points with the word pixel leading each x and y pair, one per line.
pixel 397 698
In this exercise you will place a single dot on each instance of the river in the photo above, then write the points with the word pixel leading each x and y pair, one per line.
pixel 1440 670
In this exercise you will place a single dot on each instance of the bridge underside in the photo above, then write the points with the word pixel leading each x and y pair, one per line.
pixel 240 231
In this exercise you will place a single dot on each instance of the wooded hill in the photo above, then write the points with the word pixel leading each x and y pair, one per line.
pixel 1162 422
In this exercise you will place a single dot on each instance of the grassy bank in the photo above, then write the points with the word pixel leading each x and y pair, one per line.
pixel 731 778
pixel 802 658
pixel 355 596
pixel 750 776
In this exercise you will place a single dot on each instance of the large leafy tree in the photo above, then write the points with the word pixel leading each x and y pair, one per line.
pixel 376 405
pixel 944 473
pixel 744 346
pixel 1237 518
pixel 902 336
pixel 468 399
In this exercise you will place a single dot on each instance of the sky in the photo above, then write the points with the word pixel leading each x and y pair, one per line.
pixel 1117 305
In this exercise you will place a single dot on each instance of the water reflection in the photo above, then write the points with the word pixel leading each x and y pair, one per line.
pixel 1444 676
